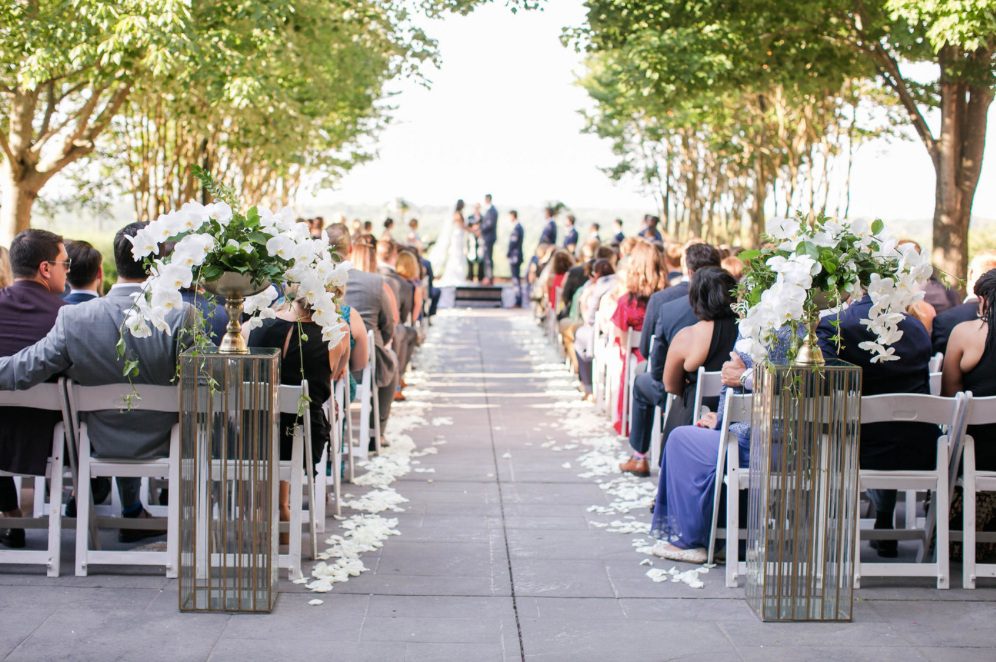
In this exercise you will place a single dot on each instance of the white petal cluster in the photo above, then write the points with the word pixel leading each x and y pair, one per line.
pixel 198 234
pixel 892 295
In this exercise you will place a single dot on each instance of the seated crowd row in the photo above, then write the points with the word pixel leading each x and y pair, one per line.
pixel 58 321
pixel 676 299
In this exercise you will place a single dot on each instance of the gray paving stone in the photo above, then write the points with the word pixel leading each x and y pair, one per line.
pixel 561 578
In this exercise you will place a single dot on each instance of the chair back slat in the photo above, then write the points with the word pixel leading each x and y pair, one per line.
pixel 981 411
pixel 633 338
pixel 737 408
pixel 935 363
pixel 131 397
pixel 47 397
pixel 935 383
pixel 290 396
pixel 906 407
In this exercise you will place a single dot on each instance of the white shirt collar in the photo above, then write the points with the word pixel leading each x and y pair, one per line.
pixel 90 292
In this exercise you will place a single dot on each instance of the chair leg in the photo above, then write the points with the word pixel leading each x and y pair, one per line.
pixel 173 509
pixel 55 508
pixel 968 531
pixel 294 548
pixel 84 503
pixel 732 530
pixel 857 540
pixel 376 420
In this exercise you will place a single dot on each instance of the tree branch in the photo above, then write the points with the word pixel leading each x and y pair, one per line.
pixel 888 68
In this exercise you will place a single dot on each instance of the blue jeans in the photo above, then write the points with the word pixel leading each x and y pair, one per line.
pixel 647 394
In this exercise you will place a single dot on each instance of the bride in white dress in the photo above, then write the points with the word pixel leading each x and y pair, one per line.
pixel 449 255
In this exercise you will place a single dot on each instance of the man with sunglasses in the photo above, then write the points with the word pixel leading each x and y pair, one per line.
pixel 28 308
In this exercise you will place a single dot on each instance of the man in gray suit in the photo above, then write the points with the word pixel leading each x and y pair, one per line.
pixel 81 345
pixel 365 294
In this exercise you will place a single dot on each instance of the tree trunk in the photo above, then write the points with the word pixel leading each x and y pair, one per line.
pixel 19 194
pixel 957 163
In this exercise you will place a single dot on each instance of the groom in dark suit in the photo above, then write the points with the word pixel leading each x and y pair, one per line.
pixel 489 234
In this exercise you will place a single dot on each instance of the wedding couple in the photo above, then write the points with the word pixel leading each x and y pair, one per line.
pixel 451 250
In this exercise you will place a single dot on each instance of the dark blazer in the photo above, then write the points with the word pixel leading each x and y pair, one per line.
pixel 886 445
pixel 672 318
pixel 489 225
pixel 658 299
pixel 76 297
pixel 215 316
pixel 28 311
pixel 945 323
pixel 618 239
pixel 571 238
pixel 549 234
pixel 514 253
pixel 651 234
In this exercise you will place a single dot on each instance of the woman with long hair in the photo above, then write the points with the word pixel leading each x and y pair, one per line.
pixel 644 276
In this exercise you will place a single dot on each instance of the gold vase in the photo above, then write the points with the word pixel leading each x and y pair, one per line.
pixel 234 287
pixel 810 352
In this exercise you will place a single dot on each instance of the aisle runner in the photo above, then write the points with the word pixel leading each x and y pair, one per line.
pixel 601 451
pixel 368 530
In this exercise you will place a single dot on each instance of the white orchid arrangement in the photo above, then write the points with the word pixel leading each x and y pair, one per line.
pixel 211 239
pixel 814 263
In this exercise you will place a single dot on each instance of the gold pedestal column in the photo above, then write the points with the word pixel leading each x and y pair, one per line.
pixel 229 450
pixel 802 506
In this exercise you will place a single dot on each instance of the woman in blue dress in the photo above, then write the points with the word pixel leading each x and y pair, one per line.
pixel 683 510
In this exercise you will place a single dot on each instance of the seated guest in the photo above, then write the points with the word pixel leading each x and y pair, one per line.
pixel 28 307
pixel 368 295
pixel 696 256
pixel 560 264
pixel 602 281
pixel 893 445
pixel 970 364
pixel 576 276
pixel 82 344
pixel 644 276
pixel 648 393
pixel 673 259
pixel 682 519
pixel 734 265
pixel 407 267
pixel 302 350
pixel 969 310
pixel 683 509
pixel 706 344
pixel 86 279
pixel 404 294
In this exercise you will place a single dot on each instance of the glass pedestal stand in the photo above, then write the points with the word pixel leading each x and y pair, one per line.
pixel 803 491
pixel 228 481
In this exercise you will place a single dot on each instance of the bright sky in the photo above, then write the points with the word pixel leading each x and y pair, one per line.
pixel 502 117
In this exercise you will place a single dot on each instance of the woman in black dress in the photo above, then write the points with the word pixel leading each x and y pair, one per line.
pixel 303 353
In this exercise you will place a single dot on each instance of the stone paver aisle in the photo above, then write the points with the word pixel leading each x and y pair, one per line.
pixel 506 552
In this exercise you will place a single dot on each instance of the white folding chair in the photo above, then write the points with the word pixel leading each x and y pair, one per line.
pixel 366 395
pixel 44 397
pixel 707 385
pixel 980 411
pixel 629 363
pixel 599 367
pixel 341 395
pixel 736 409
pixel 928 409
pixel 289 399
pixel 935 364
pixel 86 399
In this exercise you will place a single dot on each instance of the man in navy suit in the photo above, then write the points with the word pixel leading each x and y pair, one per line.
pixel 489 234
pixel 86 279
pixel 514 256
pixel 620 235
pixel 696 256
pixel 571 236
pixel 945 322
pixel 893 445
pixel 549 234
pixel 648 391
pixel 650 231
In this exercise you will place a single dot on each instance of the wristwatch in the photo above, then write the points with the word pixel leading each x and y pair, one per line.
pixel 743 378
